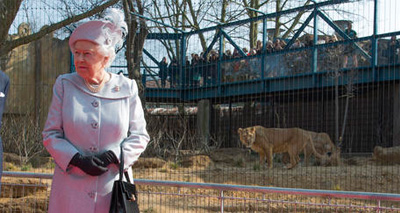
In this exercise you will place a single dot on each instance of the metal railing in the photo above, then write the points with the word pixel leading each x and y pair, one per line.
pixel 226 193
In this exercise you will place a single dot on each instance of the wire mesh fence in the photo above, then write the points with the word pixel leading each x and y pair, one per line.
pixel 28 192
pixel 219 79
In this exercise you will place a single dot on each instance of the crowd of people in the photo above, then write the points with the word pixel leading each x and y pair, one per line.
pixel 202 70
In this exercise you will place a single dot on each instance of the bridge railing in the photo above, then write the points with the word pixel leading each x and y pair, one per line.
pixel 285 63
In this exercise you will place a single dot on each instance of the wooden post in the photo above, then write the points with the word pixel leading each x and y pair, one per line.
pixel 203 120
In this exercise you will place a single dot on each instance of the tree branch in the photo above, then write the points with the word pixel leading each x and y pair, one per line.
pixel 10 45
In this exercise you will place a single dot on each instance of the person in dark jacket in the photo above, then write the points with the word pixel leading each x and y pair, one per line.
pixel 163 73
pixel 4 86
pixel 195 67
pixel 173 71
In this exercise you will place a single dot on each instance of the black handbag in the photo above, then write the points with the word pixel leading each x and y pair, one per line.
pixel 124 196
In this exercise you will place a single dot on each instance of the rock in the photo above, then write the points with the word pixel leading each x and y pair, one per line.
pixel 197 161
pixel 149 163
pixel 40 162
pixel 389 155
pixel 230 155
pixel 11 158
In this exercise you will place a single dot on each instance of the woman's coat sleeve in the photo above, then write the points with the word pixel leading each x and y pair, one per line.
pixel 53 135
pixel 138 137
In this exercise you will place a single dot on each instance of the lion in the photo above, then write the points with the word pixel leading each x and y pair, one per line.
pixel 324 146
pixel 267 141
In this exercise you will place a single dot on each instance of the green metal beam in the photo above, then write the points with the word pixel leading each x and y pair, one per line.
pixel 341 33
pixel 155 21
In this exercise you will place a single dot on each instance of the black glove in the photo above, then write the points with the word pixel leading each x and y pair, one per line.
pixel 91 165
pixel 108 158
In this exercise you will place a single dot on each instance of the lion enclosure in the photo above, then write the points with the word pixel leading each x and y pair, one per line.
pixel 225 166
pixel 284 68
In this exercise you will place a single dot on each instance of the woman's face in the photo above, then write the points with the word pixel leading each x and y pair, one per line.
pixel 88 60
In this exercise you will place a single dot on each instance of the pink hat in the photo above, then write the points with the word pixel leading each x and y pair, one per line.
pixel 99 32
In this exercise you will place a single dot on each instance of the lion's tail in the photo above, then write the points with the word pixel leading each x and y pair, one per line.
pixel 316 154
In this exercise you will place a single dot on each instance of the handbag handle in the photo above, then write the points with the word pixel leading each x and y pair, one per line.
pixel 121 167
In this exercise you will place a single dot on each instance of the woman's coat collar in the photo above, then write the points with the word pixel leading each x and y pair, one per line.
pixel 117 87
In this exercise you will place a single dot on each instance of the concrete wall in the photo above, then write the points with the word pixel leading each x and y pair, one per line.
pixel 32 69
pixel 396 115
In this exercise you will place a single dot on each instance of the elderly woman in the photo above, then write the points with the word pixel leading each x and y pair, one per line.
pixel 93 115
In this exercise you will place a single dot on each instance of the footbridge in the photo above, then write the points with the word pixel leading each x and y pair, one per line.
pixel 318 55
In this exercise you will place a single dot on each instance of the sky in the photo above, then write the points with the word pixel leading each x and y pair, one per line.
pixel 387 15
pixel 388 19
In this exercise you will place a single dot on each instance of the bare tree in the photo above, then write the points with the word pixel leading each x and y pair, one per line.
pixel 195 23
pixel 253 9
pixel 187 15
pixel 137 32
pixel 8 11
pixel 253 32
pixel 174 16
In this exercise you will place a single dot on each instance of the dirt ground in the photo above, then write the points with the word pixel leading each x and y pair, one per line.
pixel 224 166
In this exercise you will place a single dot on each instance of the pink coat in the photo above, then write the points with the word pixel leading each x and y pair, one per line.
pixel 90 123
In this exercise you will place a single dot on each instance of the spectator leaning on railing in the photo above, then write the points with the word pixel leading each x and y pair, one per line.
pixel 349 49
pixel 392 50
pixel 173 72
